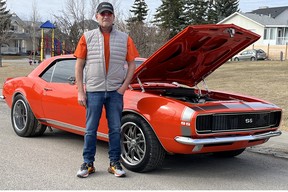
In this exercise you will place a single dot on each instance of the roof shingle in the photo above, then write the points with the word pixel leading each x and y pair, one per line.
pixel 270 11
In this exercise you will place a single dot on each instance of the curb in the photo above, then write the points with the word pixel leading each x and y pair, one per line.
pixel 276 146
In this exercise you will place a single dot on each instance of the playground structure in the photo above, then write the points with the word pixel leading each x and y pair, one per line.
pixel 49 47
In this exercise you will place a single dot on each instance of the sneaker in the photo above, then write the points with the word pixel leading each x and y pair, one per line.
pixel 85 170
pixel 116 169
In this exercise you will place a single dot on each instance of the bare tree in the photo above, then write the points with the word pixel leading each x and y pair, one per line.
pixel 35 18
pixel 76 17
pixel 147 38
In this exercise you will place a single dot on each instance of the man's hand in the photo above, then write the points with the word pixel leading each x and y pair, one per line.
pixel 82 99
pixel 121 90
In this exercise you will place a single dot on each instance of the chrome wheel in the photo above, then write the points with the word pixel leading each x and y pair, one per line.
pixel 141 149
pixel 20 115
pixel 23 120
pixel 133 143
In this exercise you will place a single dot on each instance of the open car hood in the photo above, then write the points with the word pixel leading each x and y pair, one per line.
pixel 194 53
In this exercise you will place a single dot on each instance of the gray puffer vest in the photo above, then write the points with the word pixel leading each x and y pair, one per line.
pixel 96 77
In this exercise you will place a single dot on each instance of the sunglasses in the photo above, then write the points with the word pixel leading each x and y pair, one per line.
pixel 106 13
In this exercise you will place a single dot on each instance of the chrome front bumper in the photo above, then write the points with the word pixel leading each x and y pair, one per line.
pixel 219 140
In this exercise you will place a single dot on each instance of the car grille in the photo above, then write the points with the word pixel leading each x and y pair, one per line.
pixel 237 122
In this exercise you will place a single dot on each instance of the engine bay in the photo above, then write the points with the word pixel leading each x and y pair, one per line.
pixel 179 92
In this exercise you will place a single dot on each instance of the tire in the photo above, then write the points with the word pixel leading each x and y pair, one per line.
pixel 23 120
pixel 236 59
pixel 229 154
pixel 253 59
pixel 40 130
pixel 141 150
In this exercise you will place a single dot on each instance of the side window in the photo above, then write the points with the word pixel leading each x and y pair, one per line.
pixel 60 72
pixel 47 76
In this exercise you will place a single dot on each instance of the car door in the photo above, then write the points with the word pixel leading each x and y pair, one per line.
pixel 59 99
pixel 245 55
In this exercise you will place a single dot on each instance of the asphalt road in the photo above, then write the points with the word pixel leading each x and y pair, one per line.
pixel 50 162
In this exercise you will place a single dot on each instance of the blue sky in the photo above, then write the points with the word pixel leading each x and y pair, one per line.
pixel 47 8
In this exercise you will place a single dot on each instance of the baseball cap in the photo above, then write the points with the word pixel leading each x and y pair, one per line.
pixel 105 6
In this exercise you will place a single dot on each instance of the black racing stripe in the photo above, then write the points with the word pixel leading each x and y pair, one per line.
pixel 220 106
pixel 196 108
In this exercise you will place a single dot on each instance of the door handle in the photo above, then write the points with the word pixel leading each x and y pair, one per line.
pixel 47 89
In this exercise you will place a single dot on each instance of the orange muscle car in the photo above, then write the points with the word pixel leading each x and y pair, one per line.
pixel 164 109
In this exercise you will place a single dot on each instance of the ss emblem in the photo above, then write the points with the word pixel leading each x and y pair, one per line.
pixel 249 120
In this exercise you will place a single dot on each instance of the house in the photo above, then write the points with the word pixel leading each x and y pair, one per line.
pixel 26 37
pixel 22 38
pixel 272 30
pixel 270 23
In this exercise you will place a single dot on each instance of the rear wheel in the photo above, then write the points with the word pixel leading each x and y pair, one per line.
pixel 236 59
pixel 23 120
pixel 227 154
pixel 141 150
pixel 253 59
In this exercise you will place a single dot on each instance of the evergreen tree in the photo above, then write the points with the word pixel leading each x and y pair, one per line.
pixel 4 25
pixel 136 26
pixel 224 8
pixel 195 12
pixel 139 10
pixel 169 16
pixel 212 17
pixel 4 16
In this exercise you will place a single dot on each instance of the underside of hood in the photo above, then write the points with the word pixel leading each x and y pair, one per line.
pixel 194 53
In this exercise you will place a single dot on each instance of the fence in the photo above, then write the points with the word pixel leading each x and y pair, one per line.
pixel 12 50
pixel 274 52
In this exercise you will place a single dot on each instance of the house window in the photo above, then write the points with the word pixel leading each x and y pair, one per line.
pixel 269 33
pixel 265 34
pixel 13 28
pixel 272 33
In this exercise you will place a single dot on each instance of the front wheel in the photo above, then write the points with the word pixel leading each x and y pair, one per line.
pixel 23 120
pixel 141 150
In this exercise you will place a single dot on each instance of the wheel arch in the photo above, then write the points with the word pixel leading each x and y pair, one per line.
pixel 31 126
pixel 128 112
pixel 22 91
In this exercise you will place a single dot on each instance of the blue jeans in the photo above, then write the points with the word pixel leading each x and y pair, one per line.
pixel 113 103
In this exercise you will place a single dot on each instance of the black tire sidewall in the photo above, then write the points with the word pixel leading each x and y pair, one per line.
pixel 26 131
pixel 151 139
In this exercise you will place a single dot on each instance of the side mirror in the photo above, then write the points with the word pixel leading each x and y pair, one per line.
pixel 72 80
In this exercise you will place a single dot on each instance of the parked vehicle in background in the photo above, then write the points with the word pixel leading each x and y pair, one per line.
pixel 251 55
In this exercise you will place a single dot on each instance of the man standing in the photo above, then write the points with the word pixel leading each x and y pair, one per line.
pixel 104 52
